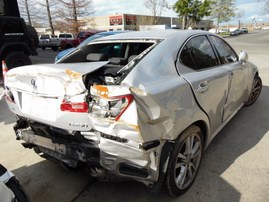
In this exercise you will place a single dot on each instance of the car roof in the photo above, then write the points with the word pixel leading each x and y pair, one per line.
pixel 160 34
pixel 110 33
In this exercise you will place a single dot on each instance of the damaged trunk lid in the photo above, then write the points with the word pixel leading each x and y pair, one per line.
pixel 51 93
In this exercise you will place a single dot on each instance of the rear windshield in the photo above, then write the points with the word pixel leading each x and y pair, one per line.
pixel 122 50
pixel 44 36
pixel 65 36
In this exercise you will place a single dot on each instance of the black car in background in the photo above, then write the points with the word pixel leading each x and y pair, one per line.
pixel 17 41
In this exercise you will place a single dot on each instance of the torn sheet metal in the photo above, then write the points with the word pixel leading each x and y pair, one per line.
pixel 51 79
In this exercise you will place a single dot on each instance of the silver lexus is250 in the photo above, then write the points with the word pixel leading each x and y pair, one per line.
pixel 137 105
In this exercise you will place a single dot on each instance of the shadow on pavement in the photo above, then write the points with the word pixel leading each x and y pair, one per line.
pixel 48 181
pixel 6 116
pixel 45 181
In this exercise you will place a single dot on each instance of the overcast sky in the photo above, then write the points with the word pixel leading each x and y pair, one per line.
pixel 251 8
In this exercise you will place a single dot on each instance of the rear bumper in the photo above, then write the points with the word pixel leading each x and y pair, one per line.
pixel 105 155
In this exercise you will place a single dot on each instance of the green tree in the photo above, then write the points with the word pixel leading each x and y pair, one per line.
pixel 192 11
pixel 222 10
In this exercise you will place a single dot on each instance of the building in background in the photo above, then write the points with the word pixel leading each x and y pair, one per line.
pixel 120 22
pixel 124 21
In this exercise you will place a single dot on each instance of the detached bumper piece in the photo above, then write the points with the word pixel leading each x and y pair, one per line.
pixel 106 156
pixel 131 170
pixel 49 142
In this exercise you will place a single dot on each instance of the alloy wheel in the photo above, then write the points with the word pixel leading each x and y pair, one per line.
pixel 188 161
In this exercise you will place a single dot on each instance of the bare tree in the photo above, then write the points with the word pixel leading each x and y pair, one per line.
pixel 239 15
pixel 143 20
pixel 266 6
pixel 25 6
pixel 72 12
pixel 156 8
pixel 47 5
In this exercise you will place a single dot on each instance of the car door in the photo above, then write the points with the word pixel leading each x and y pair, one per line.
pixel 209 81
pixel 237 74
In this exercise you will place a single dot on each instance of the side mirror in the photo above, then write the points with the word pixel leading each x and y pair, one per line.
pixel 243 56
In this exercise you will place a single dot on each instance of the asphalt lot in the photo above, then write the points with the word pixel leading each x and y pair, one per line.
pixel 235 166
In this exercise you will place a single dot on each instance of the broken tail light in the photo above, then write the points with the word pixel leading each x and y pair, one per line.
pixel 74 106
pixel 110 107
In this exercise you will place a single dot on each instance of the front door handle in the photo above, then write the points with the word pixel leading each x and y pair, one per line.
pixel 203 87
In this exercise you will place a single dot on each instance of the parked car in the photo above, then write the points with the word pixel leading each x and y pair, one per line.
pixel 53 41
pixel 72 43
pixel 66 36
pixel 139 105
pixel 235 32
pixel 86 41
pixel 244 30
pixel 10 187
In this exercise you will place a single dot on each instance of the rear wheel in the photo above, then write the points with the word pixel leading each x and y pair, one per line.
pixel 16 59
pixel 255 91
pixel 184 161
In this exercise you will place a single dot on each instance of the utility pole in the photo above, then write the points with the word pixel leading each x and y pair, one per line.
pixel 28 12
pixel 49 16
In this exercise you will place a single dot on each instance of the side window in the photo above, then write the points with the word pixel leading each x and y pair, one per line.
pixel 198 54
pixel 12 28
pixel 226 54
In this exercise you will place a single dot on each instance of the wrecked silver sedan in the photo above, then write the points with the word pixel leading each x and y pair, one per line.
pixel 139 105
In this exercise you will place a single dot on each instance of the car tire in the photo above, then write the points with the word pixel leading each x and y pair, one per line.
pixel 17 190
pixel 16 59
pixel 255 91
pixel 183 164
pixel 33 35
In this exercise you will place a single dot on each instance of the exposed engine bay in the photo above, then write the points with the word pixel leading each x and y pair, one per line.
pixel 120 57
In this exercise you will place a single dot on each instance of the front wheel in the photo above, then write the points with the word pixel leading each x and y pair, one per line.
pixel 255 91
pixel 184 161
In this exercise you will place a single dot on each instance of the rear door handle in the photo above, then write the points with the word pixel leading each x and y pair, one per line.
pixel 203 87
